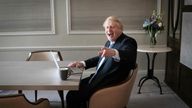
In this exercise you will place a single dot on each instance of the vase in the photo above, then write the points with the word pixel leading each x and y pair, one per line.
pixel 153 40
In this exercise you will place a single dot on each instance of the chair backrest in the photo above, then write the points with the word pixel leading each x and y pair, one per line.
pixel 45 55
pixel 116 96
pixel 20 101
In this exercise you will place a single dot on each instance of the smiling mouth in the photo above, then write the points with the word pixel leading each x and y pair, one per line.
pixel 110 34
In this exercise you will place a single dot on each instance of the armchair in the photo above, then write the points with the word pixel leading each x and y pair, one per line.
pixel 116 96
pixel 20 101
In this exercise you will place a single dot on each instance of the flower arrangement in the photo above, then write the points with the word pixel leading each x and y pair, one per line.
pixel 153 26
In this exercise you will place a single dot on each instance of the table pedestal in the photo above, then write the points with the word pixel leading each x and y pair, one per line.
pixel 150 74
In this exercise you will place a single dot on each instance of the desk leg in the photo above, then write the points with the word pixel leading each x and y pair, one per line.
pixel 61 95
pixel 150 74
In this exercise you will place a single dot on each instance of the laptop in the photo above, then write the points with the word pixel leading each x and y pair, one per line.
pixel 73 70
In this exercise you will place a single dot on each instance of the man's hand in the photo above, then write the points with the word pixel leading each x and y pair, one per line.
pixel 77 64
pixel 106 52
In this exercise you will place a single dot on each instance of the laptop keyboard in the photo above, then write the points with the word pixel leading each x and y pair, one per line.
pixel 76 70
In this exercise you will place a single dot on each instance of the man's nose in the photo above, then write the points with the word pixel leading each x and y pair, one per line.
pixel 109 30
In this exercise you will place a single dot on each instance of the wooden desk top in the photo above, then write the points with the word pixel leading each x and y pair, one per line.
pixel 34 75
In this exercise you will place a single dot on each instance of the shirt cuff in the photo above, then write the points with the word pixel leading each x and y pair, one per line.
pixel 83 63
pixel 116 56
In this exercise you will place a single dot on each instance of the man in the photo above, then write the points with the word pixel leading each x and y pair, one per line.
pixel 113 63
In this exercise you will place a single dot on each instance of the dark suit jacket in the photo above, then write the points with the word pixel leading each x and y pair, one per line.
pixel 113 72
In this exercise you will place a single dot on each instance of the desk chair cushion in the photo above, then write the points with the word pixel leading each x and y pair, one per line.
pixel 20 101
pixel 114 97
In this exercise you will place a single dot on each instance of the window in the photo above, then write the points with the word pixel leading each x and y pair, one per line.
pixel 186 51
pixel 188 2
pixel 87 16
pixel 21 17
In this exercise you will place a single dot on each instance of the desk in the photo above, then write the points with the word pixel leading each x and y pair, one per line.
pixel 150 68
pixel 35 75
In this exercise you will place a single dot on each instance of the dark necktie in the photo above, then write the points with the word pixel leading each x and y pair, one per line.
pixel 101 63
pixel 103 58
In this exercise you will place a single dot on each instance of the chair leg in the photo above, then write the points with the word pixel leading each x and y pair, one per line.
pixel 35 95
pixel 61 95
pixel 87 104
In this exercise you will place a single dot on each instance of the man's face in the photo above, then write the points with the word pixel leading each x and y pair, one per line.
pixel 112 30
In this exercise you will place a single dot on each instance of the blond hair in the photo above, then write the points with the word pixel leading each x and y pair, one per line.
pixel 113 19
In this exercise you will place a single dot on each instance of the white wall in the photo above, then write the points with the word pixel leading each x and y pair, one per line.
pixel 62 39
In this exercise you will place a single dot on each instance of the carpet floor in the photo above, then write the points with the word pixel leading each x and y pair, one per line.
pixel 150 96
